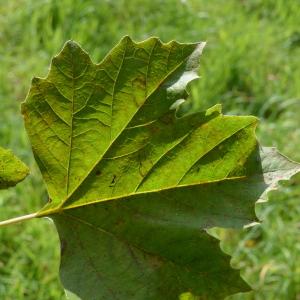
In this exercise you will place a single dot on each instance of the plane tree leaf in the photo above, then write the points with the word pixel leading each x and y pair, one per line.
pixel 12 169
pixel 134 185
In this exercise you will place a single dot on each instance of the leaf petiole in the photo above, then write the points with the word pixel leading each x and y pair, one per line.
pixel 18 219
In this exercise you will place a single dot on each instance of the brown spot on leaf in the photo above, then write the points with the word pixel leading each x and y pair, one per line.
pixel 167 119
pixel 156 262
pixel 119 222
pixel 154 129
pixel 139 81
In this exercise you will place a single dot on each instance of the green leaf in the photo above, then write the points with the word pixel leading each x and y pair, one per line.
pixel 12 169
pixel 133 187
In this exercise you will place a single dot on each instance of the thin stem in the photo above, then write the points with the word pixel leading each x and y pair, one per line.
pixel 18 219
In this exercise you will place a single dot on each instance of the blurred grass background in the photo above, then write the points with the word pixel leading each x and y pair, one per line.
pixel 251 65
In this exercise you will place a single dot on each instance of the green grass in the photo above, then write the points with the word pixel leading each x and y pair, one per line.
pixel 251 65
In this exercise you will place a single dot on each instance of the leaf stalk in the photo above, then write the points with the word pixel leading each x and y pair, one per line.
pixel 18 219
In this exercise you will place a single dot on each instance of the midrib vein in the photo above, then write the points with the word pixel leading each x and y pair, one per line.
pixel 121 131
pixel 71 128
pixel 60 209
pixel 114 90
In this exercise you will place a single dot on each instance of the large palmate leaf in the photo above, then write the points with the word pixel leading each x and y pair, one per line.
pixel 12 169
pixel 132 187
